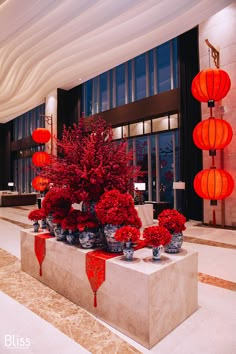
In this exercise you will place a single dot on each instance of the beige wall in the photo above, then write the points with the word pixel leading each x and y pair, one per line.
pixel 220 30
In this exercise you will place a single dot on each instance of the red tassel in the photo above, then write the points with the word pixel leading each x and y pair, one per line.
pixel 40 270
pixel 95 299
pixel 214 217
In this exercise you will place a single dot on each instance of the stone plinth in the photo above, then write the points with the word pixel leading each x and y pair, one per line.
pixel 143 299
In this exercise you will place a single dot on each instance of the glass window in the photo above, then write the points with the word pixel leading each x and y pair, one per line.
pixel 95 95
pixel 159 124
pixel 88 98
pixel 151 72
pixel 117 133
pixel 125 131
pixel 130 95
pixel 120 85
pixel 174 121
pixel 103 92
pixel 140 76
pixel 163 68
pixel 166 171
pixel 110 73
pixel 175 62
pixel 136 129
pixel 147 127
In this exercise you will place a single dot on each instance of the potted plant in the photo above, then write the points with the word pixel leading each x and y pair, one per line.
pixel 127 235
pixel 157 237
pixel 89 162
pixel 173 221
pixel 35 216
pixel 56 204
pixel 114 210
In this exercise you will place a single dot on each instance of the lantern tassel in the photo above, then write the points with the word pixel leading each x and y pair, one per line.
pixel 95 299
pixel 214 217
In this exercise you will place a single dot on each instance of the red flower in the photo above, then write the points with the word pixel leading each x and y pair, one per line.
pixel 37 214
pixel 86 221
pixel 70 221
pixel 157 236
pixel 172 220
pixel 57 201
pixel 90 162
pixel 127 233
pixel 117 208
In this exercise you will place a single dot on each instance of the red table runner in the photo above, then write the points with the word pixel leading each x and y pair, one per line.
pixel 40 249
pixel 96 267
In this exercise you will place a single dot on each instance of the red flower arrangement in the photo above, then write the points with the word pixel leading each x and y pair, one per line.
pixel 86 221
pixel 37 214
pixel 57 202
pixel 157 236
pixel 118 209
pixel 70 221
pixel 127 233
pixel 172 220
pixel 89 162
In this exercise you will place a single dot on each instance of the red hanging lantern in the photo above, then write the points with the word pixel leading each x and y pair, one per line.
pixel 210 85
pixel 41 135
pixel 40 183
pixel 41 158
pixel 214 184
pixel 212 134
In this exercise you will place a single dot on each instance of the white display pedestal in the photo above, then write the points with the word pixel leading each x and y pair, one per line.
pixel 143 299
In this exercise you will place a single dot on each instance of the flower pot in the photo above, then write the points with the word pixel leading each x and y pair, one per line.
pixel 128 251
pixel 156 253
pixel 36 226
pixel 175 244
pixel 112 245
pixel 59 233
pixel 87 239
pixel 71 238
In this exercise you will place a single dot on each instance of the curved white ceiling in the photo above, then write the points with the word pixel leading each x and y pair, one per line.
pixel 48 44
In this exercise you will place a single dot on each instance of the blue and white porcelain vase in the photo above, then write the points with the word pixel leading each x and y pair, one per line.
pixel 175 244
pixel 128 251
pixel 87 239
pixel 59 233
pixel 156 253
pixel 36 226
pixel 44 224
pixel 112 245
pixel 71 238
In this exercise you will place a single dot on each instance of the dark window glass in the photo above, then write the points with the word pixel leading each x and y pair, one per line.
pixel 140 76
pixel 95 95
pixel 111 88
pixel 163 67
pixel 103 92
pixel 151 72
pixel 130 81
pixel 88 98
pixel 175 62
pixel 120 85
pixel 166 172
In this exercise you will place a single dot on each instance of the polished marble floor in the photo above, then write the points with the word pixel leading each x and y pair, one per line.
pixel 42 321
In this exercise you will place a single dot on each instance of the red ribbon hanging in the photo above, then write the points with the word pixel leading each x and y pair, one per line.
pixel 96 267
pixel 40 249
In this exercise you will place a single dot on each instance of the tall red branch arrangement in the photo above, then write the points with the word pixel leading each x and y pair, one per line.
pixel 89 162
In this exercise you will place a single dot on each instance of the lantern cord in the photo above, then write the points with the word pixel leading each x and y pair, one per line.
pixel 210 112
pixel 209 57
pixel 213 160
